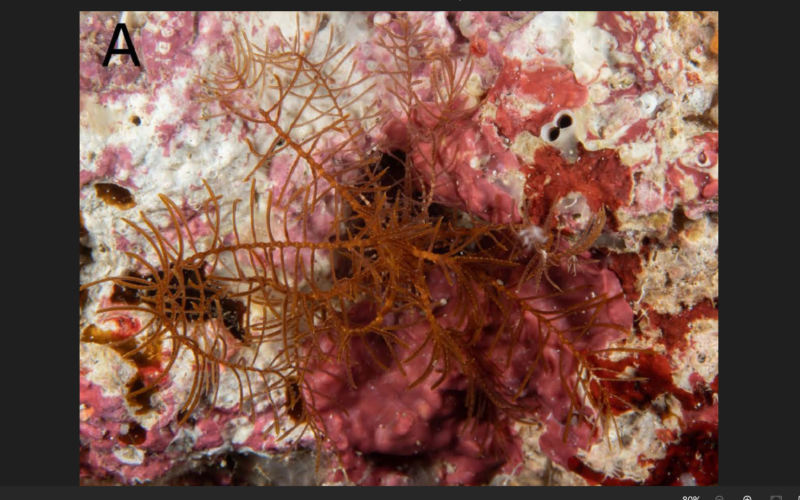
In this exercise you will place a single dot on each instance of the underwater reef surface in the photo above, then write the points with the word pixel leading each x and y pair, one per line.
pixel 399 248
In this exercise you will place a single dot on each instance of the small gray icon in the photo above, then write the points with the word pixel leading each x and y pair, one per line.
pixel 747 497
pixel 776 497
pixel 719 497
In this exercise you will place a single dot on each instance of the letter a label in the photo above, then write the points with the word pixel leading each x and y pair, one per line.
pixel 129 50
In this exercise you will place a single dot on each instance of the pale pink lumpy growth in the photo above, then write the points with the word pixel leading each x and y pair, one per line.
pixel 381 416
pixel 102 421
pixel 545 391
pixel 114 162
pixel 474 168
pixel 475 173
pixel 114 444
pixel 106 423
pixel 695 169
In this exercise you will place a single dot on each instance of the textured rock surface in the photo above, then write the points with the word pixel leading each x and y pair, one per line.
pixel 582 111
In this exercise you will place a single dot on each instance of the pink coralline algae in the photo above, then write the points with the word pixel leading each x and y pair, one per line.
pixel 382 417
pixel 113 163
pixel 135 436
pixel 545 82
pixel 481 152
pixel 123 448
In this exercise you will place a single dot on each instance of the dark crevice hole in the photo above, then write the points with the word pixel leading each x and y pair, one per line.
pixel 215 304
pixel 324 20
pixel 679 219
pixel 148 357
pixel 136 435
pixel 392 169
pixel 142 400
pixel 233 312
pixel 125 295
pixel 85 250
pixel 294 400
pixel 114 195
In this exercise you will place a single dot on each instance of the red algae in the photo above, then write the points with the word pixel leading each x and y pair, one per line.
pixel 628 31
pixel 382 416
pixel 627 267
pixel 381 419
pixel 489 191
pixel 697 453
pixel 656 372
pixel 596 478
pixel 598 175
pixel 542 81
pixel 674 327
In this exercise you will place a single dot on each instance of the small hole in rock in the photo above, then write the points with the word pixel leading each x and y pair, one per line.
pixel 324 20
pixel 83 231
pixel 136 435
pixel 679 219
pixel 233 313
pixel 294 399
pixel 86 251
pixel 125 295
pixel 392 169
pixel 136 120
pixel 114 195
pixel 140 401
pixel 565 121
pixel 553 134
